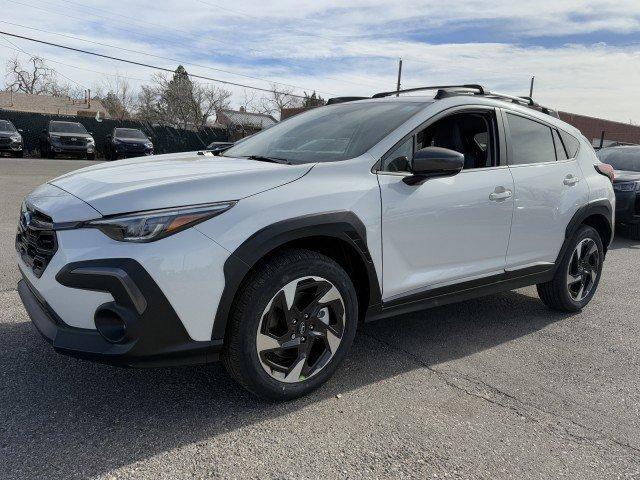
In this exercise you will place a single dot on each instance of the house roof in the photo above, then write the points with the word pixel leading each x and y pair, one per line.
pixel 249 118
pixel 47 104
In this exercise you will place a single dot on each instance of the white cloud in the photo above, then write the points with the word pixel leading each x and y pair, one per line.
pixel 333 48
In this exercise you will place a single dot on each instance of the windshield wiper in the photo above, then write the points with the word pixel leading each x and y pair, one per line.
pixel 262 158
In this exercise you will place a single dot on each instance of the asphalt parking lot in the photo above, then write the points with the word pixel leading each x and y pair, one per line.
pixel 494 388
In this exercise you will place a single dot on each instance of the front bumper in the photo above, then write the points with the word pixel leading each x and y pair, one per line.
pixel 628 207
pixel 58 147
pixel 12 147
pixel 155 335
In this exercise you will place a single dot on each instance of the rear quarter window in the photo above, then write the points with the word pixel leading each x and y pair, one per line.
pixel 571 143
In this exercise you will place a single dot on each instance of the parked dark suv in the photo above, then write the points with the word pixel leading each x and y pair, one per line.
pixel 10 139
pixel 127 142
pixel 626 162
pixel 67 138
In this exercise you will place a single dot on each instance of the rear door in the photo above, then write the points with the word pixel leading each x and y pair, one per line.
pixel 548 190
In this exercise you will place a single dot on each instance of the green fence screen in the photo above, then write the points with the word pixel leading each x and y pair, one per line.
pixel 165 139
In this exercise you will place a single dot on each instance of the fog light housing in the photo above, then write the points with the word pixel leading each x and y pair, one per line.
pixel 111 324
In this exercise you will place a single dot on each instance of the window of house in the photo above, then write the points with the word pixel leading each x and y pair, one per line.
pixel 531 142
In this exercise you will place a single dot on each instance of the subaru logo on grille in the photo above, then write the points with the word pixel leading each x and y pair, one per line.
pixel 74 139
pixel 25 219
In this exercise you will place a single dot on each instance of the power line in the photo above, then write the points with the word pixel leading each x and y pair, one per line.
pixel 17 48
pixel 141 64
pixel 359 82
pixel 138 52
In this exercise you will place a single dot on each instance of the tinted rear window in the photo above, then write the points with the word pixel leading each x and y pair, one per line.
pixel 622 158
pixel 66 127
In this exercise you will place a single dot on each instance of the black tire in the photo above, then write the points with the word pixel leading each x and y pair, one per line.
pixel 91 156
pixel 634 231
pixel 240 355
pixel 18 154
pixel 556 293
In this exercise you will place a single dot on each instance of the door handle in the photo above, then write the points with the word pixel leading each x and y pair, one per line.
pixel 499 194
pixel 570 180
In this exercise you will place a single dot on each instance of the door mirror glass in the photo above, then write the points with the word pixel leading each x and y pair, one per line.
pixel 434 162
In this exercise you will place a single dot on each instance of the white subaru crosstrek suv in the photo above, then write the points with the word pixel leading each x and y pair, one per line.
pixel 269 256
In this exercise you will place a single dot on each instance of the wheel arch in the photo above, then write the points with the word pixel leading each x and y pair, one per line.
pixel 339 235
pixel 598 215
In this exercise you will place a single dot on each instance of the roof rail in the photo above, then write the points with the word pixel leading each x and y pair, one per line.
pixel 479 90
pixel 335 100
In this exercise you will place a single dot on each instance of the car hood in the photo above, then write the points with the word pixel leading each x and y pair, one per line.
pixel 76 135
pixel 164 181
pixel 626 176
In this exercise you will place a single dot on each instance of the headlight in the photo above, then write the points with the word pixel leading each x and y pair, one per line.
pixel 148 145
pixel 16 137
pixel 626 186
pixel 55 137
pixel 91 141
pixel 156 224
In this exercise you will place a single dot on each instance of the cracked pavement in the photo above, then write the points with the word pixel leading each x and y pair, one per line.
pixel 499 387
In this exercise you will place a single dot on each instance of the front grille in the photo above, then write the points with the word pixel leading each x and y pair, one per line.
pixel 5 141
pixel 36 240
pixel 637 206
pixel 73 143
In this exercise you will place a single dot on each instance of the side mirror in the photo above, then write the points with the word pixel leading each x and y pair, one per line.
pixel 434 162
pixel 44 130
pixel 20 130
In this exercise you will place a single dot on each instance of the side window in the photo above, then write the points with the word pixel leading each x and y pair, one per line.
pixel 531 142
pixel 471 134
pixel 561 154
pixel 571 143
pixel 399 159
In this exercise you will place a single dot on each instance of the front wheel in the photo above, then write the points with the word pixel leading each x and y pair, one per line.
pixel 578 274
pixel 292 324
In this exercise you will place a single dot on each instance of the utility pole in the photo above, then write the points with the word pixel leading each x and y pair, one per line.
pixel 399 76
pixel 531 87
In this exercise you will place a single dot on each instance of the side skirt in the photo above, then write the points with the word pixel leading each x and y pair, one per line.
pixel 438 296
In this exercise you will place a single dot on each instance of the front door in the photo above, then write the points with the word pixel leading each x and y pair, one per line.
pixel 446 230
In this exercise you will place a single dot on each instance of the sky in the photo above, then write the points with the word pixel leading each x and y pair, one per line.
pixel 585 55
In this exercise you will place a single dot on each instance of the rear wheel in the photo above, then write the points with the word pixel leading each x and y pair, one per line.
pixel 578 274
pixel 292 324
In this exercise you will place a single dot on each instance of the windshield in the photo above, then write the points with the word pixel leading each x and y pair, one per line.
pixel 66 127
pixel 328 134
pixel 621 158
pixel 130 133
pixel 6 126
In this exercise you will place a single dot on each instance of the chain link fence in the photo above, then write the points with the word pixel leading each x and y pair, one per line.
pixel 165 139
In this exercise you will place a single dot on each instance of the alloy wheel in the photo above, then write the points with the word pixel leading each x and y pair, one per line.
pixel 301 329
pixel 584 267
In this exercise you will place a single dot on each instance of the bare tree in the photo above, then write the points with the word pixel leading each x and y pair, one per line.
pixel 208 100
pixel 33 78
pixel 278 99
pixel 120 99
pixel 177 101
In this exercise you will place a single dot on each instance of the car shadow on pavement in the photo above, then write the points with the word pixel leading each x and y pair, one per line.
pixel 65 417
pixel 623 241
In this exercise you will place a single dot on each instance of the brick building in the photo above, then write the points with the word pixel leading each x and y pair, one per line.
pixel 592 128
